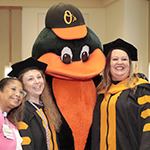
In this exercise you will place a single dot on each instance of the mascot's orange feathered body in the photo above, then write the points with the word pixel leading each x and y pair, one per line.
pixel 74 57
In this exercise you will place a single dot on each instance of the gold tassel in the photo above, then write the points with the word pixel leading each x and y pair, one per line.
pixel 136 69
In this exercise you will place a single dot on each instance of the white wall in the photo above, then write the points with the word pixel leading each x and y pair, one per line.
pixel 114 21
pixel 96 21
pixel 94 17
pixel 30 28
pixel 136 30
pixel 127 19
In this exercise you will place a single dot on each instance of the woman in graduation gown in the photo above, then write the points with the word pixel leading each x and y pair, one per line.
pixel 121 118
pixel 41 120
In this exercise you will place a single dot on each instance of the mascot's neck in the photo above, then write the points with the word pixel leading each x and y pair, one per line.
pixel 76 101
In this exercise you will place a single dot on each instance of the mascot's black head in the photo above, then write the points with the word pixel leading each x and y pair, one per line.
pixel 71 49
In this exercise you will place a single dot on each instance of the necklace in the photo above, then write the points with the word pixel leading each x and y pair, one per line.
pixel 47 132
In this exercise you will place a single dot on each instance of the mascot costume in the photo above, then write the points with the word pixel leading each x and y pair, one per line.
pixel 75 59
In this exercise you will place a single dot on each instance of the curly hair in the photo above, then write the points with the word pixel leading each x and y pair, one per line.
pixel 15 114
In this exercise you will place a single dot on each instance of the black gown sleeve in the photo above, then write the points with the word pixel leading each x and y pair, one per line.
pixel 95 141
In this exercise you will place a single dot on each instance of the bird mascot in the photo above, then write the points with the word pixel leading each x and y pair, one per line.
pixel 75 59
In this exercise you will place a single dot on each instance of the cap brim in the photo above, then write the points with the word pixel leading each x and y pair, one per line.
pixel 71 33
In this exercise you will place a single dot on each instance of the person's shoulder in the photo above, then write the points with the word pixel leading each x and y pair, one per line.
pixel 142 75
pixel 28 109
pixel 142 83
pixel 143 89
pixel 28 114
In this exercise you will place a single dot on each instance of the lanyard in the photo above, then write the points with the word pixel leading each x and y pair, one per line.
pixel 47 132
pixel 7 131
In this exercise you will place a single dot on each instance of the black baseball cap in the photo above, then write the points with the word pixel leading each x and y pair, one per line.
pixel 123 45
pixel 30 63
pixel 66 21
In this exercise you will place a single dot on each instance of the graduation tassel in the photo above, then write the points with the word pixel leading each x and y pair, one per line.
pixel 136 69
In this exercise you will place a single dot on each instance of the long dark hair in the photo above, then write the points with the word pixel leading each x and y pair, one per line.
pixel 15 114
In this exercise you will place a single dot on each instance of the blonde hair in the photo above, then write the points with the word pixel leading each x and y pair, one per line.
pixel 50 108
pixel 107 79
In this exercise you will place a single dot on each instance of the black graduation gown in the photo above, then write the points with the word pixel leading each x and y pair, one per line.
pixel 33 132
pixel 122 120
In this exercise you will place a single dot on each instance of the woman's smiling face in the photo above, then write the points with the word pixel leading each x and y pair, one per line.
pixel 9 98
pixel 119 65
pixel 33 82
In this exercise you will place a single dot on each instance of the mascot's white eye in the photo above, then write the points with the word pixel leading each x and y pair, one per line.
pixel 84 55
pixel 66 55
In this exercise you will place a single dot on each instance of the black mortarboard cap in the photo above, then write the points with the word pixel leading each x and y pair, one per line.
pixel 123 45
pixel 19 67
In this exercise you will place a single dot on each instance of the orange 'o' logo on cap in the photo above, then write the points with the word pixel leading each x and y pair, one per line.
pixel 69 15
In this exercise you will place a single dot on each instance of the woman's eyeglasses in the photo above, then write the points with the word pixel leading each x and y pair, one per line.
pixel 14 90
